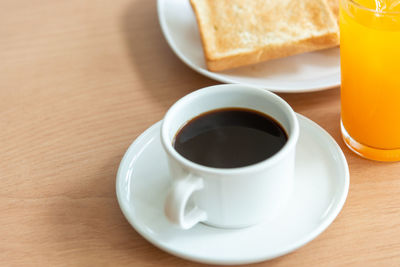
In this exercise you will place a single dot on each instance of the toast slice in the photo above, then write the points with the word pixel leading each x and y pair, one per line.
pixel 242 32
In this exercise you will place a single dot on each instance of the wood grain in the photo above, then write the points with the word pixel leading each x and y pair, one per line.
pixel 79 81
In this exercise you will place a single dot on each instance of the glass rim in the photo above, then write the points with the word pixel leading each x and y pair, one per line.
pixel 353 2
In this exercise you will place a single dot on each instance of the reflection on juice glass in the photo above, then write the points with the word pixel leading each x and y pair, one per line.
pixel 370 69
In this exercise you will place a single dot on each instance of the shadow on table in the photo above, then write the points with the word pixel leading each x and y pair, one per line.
pixel 165 77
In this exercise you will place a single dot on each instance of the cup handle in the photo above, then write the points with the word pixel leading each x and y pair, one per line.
pixel 177 200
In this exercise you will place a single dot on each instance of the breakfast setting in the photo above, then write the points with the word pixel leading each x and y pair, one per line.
pixel 200 133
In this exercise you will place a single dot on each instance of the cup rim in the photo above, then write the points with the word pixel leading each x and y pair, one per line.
pixel 353 2
pixel 291 142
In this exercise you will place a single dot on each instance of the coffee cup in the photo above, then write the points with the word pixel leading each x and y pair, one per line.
pixel 224 187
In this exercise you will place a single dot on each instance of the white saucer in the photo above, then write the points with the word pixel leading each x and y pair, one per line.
pixel 301 73
pixel 322 183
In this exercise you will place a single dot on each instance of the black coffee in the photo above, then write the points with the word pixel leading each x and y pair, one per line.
pixel 230 138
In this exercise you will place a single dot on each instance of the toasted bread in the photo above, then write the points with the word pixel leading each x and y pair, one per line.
pixel 241 32
pixel 334 5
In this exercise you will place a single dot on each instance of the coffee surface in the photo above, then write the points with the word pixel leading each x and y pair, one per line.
pixel 230 138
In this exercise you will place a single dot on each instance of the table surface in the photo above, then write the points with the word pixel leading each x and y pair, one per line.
pixel 79 81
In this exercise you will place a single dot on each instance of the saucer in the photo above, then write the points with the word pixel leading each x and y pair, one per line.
pixel 307 72
pixel 321 186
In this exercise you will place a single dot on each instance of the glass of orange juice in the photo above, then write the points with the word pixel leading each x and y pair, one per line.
pixel 370 69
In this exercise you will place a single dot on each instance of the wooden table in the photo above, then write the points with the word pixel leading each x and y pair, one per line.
pixel 79 81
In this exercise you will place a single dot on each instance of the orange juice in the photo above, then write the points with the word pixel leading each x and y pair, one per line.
pixel 370 69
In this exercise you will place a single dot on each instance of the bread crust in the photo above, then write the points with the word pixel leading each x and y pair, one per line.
pixel 271 52
pixel 334 6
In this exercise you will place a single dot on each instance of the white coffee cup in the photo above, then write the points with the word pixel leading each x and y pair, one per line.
pixel 228 197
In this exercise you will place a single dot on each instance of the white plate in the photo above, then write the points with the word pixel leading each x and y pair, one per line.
pixel 322 183
pixel 301 73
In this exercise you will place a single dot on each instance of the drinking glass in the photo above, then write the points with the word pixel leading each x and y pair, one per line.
pixel 370 70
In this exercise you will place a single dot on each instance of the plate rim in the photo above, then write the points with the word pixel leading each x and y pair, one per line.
pixel 218 77
pixel 301 242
